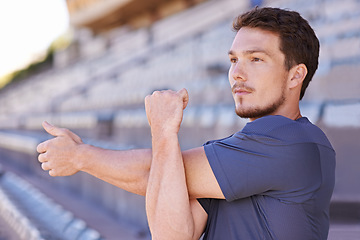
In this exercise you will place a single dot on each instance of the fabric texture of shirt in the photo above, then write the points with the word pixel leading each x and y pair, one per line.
pixel 277 176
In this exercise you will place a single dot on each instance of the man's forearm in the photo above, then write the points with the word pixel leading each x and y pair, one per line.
pixel 167 198
pixel 128 169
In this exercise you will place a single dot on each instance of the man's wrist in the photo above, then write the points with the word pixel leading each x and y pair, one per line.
pixel 83 154
pixel 160 136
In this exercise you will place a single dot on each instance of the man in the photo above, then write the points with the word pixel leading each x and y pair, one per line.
pixel 272 180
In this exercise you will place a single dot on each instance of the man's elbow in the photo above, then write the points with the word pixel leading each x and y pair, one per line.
pixel 174 234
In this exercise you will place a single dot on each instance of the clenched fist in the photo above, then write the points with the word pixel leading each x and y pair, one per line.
pixel 164 110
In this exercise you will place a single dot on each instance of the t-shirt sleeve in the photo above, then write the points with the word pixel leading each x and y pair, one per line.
pixel 248 165
pixel 205 203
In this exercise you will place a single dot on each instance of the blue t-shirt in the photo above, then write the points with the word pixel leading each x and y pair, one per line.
pixel 277 176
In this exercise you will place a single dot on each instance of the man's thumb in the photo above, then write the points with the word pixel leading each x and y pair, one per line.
pixel 183 92
pixel 51 129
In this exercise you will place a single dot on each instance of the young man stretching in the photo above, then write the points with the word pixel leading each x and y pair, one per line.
pixel 271 180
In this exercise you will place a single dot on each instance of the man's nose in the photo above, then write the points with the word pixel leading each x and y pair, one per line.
pixel 237 72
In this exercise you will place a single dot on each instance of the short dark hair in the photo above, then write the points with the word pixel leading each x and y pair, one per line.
pixel 298 41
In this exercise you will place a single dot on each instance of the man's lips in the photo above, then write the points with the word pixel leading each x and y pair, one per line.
pixel 241 91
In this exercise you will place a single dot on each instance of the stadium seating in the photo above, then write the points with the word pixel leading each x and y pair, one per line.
pixel 34 216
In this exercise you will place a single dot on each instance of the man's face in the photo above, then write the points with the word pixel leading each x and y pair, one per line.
pixel 257 74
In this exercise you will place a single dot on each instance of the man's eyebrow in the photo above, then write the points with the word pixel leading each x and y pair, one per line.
pixel 251 51
pixel 231 52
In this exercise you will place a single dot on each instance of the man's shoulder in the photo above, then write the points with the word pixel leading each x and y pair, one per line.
pixel 287 130
pixel 274 122
pixel 276 130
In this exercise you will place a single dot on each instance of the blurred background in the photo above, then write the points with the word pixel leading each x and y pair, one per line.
pixel 88 64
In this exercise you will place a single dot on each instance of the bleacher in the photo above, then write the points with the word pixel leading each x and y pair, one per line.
pixel 34 216
pixel 97 88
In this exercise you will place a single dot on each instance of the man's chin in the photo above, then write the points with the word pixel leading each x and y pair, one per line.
pixel 245 114
pixel 254 113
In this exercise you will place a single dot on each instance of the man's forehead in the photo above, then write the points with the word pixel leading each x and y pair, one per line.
pixel 249 40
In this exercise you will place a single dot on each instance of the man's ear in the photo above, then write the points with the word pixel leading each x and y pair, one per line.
pixel 297 75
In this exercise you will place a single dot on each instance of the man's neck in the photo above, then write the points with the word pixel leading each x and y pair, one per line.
pixel 294 115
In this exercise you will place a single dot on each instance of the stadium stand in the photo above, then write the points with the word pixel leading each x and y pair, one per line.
pixel 39 216
pixel 97 87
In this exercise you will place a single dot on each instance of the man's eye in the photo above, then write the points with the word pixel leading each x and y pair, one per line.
pixel 233 60
pixel 255 59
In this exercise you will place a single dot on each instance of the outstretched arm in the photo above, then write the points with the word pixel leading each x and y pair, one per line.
pixel 66 154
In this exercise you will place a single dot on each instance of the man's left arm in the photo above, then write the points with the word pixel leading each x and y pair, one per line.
pixel 171 214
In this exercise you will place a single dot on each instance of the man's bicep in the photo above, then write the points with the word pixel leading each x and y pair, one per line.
pixel 200 178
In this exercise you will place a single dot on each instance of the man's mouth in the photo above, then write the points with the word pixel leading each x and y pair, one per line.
pixel 241 91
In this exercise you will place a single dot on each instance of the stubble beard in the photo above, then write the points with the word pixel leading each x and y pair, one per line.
pixel 258 112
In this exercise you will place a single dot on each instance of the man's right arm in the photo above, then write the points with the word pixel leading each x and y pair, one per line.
pixel 66 154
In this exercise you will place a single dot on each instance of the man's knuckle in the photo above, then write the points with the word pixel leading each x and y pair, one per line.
pixel 65 131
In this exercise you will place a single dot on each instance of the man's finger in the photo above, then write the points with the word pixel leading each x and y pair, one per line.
pixel 45 166
pixel 53 173
pixel 42 157
pixel 41 148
